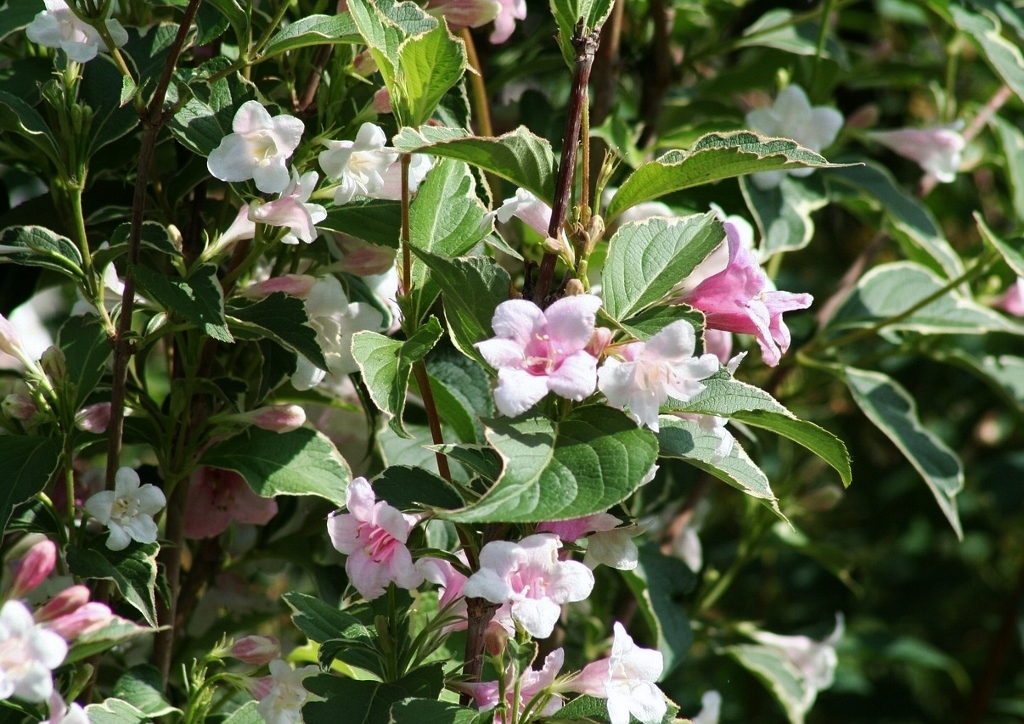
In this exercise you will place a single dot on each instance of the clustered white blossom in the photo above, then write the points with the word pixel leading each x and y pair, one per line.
pixel 127 510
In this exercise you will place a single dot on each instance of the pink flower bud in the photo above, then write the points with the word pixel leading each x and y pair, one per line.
pixel 364 259
pixel 19 407
pixel 257 650
pixel 67 601
pixel 34 568
pixel 599 341
pixel 279 418
pixel 10 342
pixel 297 285
pixel 93 418
pixel 364 64
pixel 381 101
pixel 90 617
pixel 495 639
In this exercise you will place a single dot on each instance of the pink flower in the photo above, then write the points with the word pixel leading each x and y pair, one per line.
pixel 740 299
pixel 292 210
pixel 67 601
pixel 650 372
pixel 33 568
pixel 626 679
pixel 451 581
pixel 296 285
pixel 11 343
pixel 19 407
pixel 241 228
pixel 93 418
pixel 257 650
pixel 606 542
pixel 373 535
pixel 217 497
pixel 465 13
pixel 532 683
pixel 1012 300
pixel 538 351
pixel 258 148
pixel 505 23
pixel 275 418
pixel 936 150
pixel 529 577
pixel 88 617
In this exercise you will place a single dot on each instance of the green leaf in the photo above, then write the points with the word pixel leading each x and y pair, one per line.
pixel 890 290
pixel 428 65
pixel 152 235
pixel 1011 250
pixel 322 622
pixel 313 30
pixel 567 12
pixel 38 246
pixel 462 393
pixel 446 217
pixel 472 289
pixel 479 458
pixel 236 16
pixel 713 157
pixel 141 687
pixel 652 320
pixel 377 222
pixel 986 32
pixel 780 675
pixel 778 29
pixel 17 116
pixel 87 350
pixel 687 440
pixel 103 88
pixel 426 711
pixel 386 364
pixel 283 318
pixel 115 633
pixel 1012 141
pixel 518 156
pixel 819 441
pixel 583 464
pixel 198 299
pixel 1004 372
pixel 914 225
pixel 410 488
pixel 660 583
pixel 368 702
pixel 133 571
pixel 201 124
pixel 300 462
pixel 28 464
pixel 783 213
pixel 247 713
pixel 894 412
pixel 115 711
pixel 16 16
pixel 647 259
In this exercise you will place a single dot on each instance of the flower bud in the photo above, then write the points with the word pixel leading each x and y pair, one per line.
pixel 296 285
pixel 574 287
pixel 19 407
pixel 257 650
pixel 90 617
pixel 495 639
pixel 381 101
pixel 54 363
pixel 34 568
pixel 67 601
pixel 93 418
pixel 278 418
pixel 600 341
pixel 364 64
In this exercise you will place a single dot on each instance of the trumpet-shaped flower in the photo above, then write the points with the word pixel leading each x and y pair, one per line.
pixel 741 299
pixel 465 13
pixel 815 661
pixel 61 713
pixel 505 23
pixel 58 27
pixel 292 210
pixel 529 577
pixel 258 148
pixel 532 683
pixel 626 679
pixel 28 653
pixel 791 116
pixel 526 207
pixel 451 582
pixel 606 542
pixel 281 695
pixel 936 150
pixel 358 165
pixel 127 510
pixel 373 535
pixel 335 320
pixel 217 497
pixel 539 351
pixel 33 568
pixel 652 371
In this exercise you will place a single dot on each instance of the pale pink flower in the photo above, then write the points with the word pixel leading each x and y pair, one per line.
pixel 539 351
pixel 33 568
pixel 296 285
pixel 88 617
pixel 606 542
pixel 363 259
pixel 791 116
pixel 292 210
pixel 718 343
pixel 741 299
pixel 451 582
pixel 93 418
pixel 58 27
pixel 281 695
pixel 465 13
pixel 936 150
pixel 241 229
pixel 66 602
pixel 526 207
pixel 61 713
pixel 127 510
pixel 28 653
pixel 1012 300
pixel 505 23
pixel 258 148
pixel 373 535
pixel 256 650
pixel 627 680
pixel 358 165
pixel 532 683
pixel 11 343
pixel 391 187
pixel 529 578
pixel 650 372
pixel 275 418
pixel 19 407
pixel 381 102
pixel 815 661
pixel 217 497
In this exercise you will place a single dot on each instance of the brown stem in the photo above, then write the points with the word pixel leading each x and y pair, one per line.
pixel 479 612
pixel 658 79
pixel 323 54
pixel 433 419
pixel 406 253
pixel 1002 641
pixel 606 62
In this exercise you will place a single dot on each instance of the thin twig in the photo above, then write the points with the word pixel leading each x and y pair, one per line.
pixel 659 78
pixel 323 54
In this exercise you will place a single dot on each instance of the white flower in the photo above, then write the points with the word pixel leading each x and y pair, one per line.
pixel 291 209
pixel 28 653
pixel 626 679
pixel 281 695
pixel 652 371
pixel 419 165
pixel 358 165
pixel 258 149
pixel 127 510
pixel 58 27
pixel 710 708
pixel 61 713
pixel 335 319
pixel 815 661
pixel 936 150
pixel 529 577
pixel 526 207
pixel 793 117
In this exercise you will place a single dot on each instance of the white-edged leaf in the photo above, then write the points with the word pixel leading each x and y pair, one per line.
pixel 780 675
pixel 783 213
